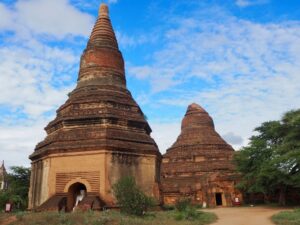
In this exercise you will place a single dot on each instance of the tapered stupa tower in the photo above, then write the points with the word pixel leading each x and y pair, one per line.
pixel 199 164
pixel 99 135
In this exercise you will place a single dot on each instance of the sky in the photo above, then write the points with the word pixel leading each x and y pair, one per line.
pixel 238 59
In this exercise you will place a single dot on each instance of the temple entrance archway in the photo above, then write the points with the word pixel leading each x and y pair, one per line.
pixel 219 201
pixel 73 192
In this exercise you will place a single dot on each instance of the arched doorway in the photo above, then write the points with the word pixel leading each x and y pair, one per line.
pixel 73 191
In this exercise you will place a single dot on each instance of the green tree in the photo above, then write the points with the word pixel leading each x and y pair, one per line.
pixel 130 197
pixel 18 186
pixel 271 160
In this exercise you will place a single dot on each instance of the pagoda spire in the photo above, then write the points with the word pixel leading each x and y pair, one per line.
pixel 103 34
pixel 101 62
pixel 197 117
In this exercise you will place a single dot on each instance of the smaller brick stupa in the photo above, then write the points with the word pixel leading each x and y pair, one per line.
pixel 199 164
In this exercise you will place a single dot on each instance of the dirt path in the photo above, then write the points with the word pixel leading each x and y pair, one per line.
pixel 8 220
pixel 245 215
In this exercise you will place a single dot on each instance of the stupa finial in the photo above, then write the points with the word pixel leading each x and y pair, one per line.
pixel 103 11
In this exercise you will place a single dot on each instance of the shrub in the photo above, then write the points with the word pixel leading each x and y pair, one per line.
pixel 190 213
pixel 130 197
pixel 168 207
pixel 4 198
pixel 186 211
pixel 287 217
pixel 182 204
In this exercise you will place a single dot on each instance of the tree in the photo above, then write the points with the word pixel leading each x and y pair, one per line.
pixel 130 197
pixel 18 186
pixel 271 161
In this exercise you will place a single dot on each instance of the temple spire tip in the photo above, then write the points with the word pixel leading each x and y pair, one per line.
pixel 103 11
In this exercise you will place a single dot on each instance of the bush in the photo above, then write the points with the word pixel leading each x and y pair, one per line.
pixel 287 217
pixel 4 198
pixel 130 197
pixel 182 204
pixel 190 213
pixel 168 207
pixel 17 191
pixel 186 211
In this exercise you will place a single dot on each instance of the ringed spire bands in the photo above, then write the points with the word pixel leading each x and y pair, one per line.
pixel 102 62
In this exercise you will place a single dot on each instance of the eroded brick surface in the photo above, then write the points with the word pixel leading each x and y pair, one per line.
pixel 99 134
pixel 198 165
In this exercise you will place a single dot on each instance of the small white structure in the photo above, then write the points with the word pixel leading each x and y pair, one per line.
pixel 3 175
pixel 79 198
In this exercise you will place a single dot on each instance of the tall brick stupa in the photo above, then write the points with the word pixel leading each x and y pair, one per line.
pixel 99 135
pixel 198 165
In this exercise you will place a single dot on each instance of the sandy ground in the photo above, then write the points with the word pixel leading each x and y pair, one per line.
pixel 245 215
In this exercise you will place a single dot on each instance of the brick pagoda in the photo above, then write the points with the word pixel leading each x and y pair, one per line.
pixel 99 135
pixel 198 165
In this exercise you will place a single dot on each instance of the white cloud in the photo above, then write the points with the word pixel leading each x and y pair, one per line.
pixel 28 75
pixel 5 17
pixel 18 142
pixel 243 72
pixel 246 3
pixel 112 1
pixel 56 18
pixel 126 40
pixel 35 75
pixel 233 139
pixel 165 134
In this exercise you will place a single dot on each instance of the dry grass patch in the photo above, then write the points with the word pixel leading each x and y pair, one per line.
pixel 287 218
pixel 109 218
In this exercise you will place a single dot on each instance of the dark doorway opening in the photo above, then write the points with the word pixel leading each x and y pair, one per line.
pixel 73 192
pixel 219 199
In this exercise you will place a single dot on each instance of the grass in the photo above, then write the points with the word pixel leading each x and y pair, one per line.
pixel 287 217
pixel 108 218
pixel 3 216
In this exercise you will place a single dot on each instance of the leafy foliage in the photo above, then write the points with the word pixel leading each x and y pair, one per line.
pixel 130 197
pixel 185 211
pixel 182 204
pixel 18 186
pixel 271 161
pixel 189 213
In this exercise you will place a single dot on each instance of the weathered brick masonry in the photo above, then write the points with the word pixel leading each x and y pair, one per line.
pixel 99 134
pixel 198 165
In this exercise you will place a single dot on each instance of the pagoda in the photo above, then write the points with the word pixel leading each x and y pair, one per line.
pixel 3 177
pixel 199 164
pixel 99 135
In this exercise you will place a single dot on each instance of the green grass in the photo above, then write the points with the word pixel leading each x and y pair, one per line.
pixel 109 218
pixel 287 218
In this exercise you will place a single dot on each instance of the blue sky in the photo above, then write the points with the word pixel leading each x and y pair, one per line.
pixel 239 59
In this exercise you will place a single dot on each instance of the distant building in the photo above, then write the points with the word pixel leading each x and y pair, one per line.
pixel 3 177
pixel 199 164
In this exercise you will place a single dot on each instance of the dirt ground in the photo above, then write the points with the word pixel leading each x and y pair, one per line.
pixel 227 216
pixel 8 220
pixel 245 215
